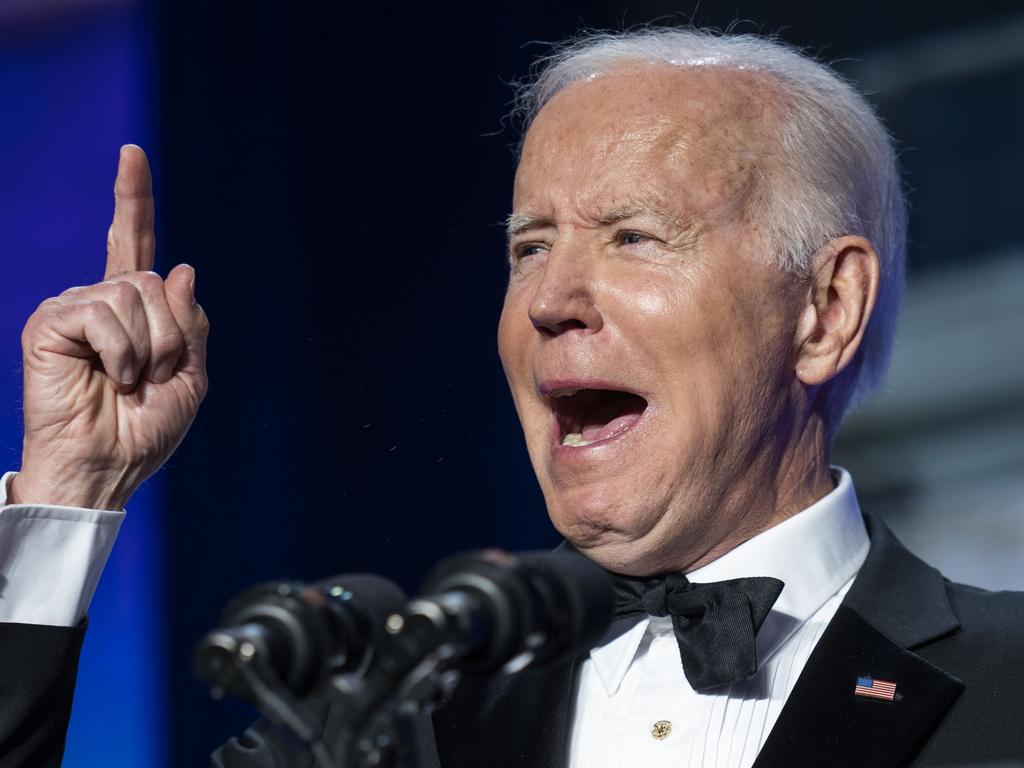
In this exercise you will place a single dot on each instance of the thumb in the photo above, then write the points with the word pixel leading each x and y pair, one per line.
pixel 180 288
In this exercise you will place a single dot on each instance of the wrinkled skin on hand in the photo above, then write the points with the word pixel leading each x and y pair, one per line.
pixel 114 373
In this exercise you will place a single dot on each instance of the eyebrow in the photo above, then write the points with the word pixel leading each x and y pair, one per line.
pixel 517 223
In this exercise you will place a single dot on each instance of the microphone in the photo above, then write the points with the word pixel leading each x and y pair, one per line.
pixel 496 611
pixel 479 613
pixel 302 634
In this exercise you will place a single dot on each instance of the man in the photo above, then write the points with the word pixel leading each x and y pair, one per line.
pixel 706 252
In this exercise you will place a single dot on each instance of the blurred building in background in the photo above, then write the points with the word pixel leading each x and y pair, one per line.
pixel 338 175
pixel 941 452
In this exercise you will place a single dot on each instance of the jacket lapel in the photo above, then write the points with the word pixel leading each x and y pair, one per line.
pixel 508 722
pixel 897 603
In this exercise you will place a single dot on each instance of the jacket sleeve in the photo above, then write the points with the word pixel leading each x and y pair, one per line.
pixel 38 666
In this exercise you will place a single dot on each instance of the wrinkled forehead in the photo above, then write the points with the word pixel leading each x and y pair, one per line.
pixel 701 133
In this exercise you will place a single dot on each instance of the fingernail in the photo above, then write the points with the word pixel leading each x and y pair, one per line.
pixel 192 286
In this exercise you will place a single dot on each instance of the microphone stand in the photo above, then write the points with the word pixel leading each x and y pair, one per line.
pixel 410 676
pixel 378 711
pixel 238 665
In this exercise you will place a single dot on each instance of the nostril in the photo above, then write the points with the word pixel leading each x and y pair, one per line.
pixel 555 329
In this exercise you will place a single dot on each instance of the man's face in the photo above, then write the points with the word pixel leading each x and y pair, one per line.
pixel 646 340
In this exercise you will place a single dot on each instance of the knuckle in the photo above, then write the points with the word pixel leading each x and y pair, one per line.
pixel 93 311
pixel 167 344
pixel 46 308
pixel 121 349
pixel 116 245
pixel 121 344
pixel 122 292
pixel 74 292
pixel 28 333
pixel 43 314
pixel 148 282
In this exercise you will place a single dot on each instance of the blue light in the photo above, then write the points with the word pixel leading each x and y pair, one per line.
pixel 76 87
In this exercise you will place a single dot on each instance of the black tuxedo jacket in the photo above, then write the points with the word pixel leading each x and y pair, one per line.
pixel 37 681
pixel 956 654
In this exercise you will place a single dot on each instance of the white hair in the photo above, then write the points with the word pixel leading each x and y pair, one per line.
pixel 838 173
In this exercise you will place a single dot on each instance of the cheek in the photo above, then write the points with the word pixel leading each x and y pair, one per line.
pixel 653 304
pixel 682 343
pixel 741 350
pixel 648 306
pixel 511 339
pixel 702 347
pixel 515 339
pixel 667 327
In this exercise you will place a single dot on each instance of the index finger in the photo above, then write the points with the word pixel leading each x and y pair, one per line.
pixel 131 241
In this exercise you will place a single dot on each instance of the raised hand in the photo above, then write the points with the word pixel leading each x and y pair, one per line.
pixel 114 372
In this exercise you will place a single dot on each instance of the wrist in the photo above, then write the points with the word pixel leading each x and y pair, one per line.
pixel 58 489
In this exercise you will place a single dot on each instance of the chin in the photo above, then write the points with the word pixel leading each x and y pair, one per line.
pixel 597 522
pixel 633 533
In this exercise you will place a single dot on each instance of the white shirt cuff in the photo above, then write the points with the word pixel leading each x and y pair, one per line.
pixel 51 559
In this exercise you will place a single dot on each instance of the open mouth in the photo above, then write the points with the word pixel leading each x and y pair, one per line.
pixel 588 416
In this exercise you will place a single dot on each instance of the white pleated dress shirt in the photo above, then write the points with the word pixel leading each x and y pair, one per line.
pixel 635 679
pixel 51 559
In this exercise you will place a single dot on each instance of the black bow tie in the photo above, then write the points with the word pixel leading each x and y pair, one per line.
pixel 715 623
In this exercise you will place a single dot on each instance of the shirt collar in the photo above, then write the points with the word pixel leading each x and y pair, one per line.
pixel 815 553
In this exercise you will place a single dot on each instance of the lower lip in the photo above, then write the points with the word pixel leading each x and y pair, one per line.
pixel 592 449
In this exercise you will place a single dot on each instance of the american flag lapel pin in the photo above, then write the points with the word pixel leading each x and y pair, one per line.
pixel 875 689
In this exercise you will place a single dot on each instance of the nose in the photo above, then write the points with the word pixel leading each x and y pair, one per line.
pixel 565 298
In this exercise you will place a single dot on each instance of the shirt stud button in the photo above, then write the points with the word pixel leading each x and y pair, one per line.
pixel 661 730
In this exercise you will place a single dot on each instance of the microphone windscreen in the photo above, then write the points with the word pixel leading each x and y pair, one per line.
pixel 580 599
pixel 373 596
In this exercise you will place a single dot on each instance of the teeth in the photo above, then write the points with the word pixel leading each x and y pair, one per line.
pixel 575 440
pixel 565 393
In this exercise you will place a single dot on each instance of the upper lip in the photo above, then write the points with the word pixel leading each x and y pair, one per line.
pixel 560 386
pixel 570 415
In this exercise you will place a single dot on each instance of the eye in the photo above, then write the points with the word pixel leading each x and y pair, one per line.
pixel 525 250
pixel 629 237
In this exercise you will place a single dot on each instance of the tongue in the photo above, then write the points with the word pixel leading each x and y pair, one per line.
pixel 611 417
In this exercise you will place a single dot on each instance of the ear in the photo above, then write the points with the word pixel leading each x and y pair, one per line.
pixel 841 296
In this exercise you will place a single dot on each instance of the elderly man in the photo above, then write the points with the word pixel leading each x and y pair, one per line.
pixel 706 259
